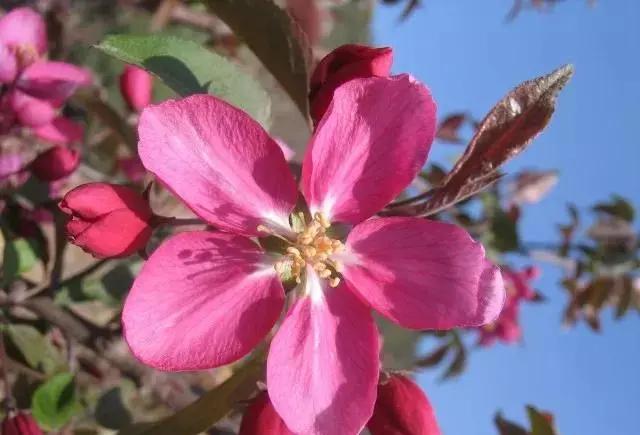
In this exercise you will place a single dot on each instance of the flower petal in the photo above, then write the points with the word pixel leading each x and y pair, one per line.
pixel 61 131
pixel 93 200
pixel 117 234
pixel 423 274
pixel 219 161
pixel 53 81
pixel 322 368
pixel 8 65
pixel 24 27
pixel 203 299
pixel 31 111
pixel 370 144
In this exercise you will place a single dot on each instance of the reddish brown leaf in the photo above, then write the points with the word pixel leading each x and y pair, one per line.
pixel 449 128
pixel 504 133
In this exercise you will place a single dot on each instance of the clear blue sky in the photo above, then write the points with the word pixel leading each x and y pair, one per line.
pixel 470 57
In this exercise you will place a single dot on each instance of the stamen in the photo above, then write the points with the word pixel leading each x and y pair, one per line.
pixel 312 247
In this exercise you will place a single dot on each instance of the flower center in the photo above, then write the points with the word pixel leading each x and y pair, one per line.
pixel 313 247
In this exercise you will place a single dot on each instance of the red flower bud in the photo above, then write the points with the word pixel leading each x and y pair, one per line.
pixel 261 418
pixel 402 408
pixel 345 63
pixel 20 424
pixel 136 86
pixel 55 163
pixel 107 220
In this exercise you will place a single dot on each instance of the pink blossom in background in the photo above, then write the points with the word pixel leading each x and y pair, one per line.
pixel 20 423
pixel 61 131
pixel 36 88
pixel 507 327
pixel 136 86
pixel 205 299
pixel 132 168
pixel 55 163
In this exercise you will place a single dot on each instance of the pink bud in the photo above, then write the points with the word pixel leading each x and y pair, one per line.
pixel 261 418
pixel 136 86
pixel 55 163
pixel 402 408
pixel 20 424
pixel 345 63
pixel 107 220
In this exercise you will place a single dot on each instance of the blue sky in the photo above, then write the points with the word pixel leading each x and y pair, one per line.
pixel 470 57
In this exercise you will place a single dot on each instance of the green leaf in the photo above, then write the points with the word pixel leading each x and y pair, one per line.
pixel 189 68
pixel 54 403
pixel 19 257
pixel 209 408
pixel 539 424
pixel 275 39
pixel 36 349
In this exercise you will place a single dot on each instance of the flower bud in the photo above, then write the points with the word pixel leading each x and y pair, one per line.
pixel 136 86
pixel 107 220
pixel 261 418
pixel 20 424
pixel 345 63
pixel 402 408
pixel 55 163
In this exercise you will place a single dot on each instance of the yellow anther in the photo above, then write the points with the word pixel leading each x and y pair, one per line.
pixel 319 267
pixel 294 251
pixel 324 273
pixel 333 282
pixel 338 266
pixel 309 251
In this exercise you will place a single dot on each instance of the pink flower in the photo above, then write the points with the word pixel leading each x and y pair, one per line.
pixel 107 220
pixel 55 163
pixel 136 86
pixel 402 408
pixel 507 327
pixel 61 131
pixel 20 424
pixel 132 168
pixel 205 299
pixel 35 88
pixel 345 63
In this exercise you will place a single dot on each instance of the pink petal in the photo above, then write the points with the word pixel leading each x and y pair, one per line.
pixel 24 27
pixel 61 131
pixel 8 65
pixel 55 81
pixel 31 111
pixel 372 141
pixel 322 368
pixel 10 164
pixel 203 299
pixel 423 274
pixel 219 161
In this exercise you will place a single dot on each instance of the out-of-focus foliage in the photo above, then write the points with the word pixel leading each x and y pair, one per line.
pixel 540 423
